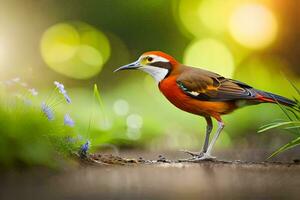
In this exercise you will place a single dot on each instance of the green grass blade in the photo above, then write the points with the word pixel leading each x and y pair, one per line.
pixel 294 113
pixel 100 102
pixel 98 97
pixel 295 87
pixel 292 127
pixel 270 124
pixel 283 110
pixel 285 147
pixel 279 125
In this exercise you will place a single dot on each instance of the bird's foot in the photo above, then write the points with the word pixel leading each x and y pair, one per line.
pixel 205 156
pixel 194 154
pixel 197 157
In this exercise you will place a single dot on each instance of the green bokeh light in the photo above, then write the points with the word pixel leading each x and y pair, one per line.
pixel 75 49
pixel 214 14
pixel 200 17
pixel 210 54
pixel 189 18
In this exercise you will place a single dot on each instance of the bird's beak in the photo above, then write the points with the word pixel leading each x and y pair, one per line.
pixel 133 65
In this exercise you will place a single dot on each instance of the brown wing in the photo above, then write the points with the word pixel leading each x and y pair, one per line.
pixel 209 86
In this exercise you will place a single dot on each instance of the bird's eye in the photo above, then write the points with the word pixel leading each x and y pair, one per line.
pixel 149 59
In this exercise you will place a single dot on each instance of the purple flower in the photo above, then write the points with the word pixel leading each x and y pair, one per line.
pixel 68 99
pixel 68 121
pixel 85 147
pixel 47 111
pixel 33 92
pixel 62 90
pixel 60 87
pixel 16 81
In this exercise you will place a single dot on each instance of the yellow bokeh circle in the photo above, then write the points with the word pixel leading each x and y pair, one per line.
pixel 210 54
pixel 253 26
pixel 75 49
pixel 214 14
pixel 198 18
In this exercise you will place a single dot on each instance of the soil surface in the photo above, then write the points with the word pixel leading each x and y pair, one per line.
pixel 106 176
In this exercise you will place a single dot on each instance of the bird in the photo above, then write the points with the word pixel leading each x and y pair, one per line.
pixel 201 92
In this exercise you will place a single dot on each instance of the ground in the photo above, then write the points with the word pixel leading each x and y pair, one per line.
pixel 123 178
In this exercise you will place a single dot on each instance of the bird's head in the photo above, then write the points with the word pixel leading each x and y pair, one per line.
pixel 156 63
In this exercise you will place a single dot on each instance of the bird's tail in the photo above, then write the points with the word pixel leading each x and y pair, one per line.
pixel 274 98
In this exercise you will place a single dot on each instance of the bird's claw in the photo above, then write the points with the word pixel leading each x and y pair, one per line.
pixel 205 156
pixel 194 154
pixel 197 156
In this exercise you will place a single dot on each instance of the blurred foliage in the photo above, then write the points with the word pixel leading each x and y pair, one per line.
pixel 292 125
pixel 28 138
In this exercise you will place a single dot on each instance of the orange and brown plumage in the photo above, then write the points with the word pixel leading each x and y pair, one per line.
pixel 201 92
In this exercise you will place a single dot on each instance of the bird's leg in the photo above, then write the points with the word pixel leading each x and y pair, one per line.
pixel 216 136
pixel 206 154
pixel 209 128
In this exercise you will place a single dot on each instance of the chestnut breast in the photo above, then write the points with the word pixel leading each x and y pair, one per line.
pixel 177 97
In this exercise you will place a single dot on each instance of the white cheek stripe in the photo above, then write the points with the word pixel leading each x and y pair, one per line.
pixel 156 72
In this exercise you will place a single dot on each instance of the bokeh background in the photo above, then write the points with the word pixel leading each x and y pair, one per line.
pixel 81 42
